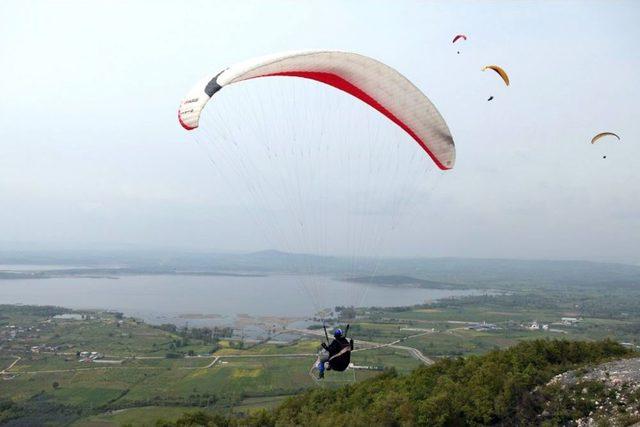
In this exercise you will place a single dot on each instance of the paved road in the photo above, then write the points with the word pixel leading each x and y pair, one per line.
pixel 213 362
pixel 51 371
pixel 414 352
pixel 210 365
pixel 231 356
pixel 4 371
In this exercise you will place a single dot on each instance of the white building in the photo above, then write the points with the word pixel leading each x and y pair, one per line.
pixel 534 326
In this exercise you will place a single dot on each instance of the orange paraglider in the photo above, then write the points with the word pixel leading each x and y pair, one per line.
pixel 499 70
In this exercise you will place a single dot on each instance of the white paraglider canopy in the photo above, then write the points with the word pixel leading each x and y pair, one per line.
pixel 373 82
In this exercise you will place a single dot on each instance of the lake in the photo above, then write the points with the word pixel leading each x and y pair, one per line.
pixel 211 299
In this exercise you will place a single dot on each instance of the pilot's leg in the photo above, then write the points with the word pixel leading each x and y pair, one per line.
pixel 323 358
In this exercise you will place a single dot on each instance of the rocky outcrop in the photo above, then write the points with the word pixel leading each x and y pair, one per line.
pixel 606 394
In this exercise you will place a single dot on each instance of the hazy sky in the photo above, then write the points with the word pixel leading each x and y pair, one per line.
pixel 91 153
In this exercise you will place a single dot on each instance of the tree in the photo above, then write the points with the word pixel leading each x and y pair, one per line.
pixel 55 385
pixel 345 313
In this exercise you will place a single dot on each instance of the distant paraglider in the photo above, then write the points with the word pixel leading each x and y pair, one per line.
pixel 503 74
pixel 500 72
pixel 459 37
pixel 602 135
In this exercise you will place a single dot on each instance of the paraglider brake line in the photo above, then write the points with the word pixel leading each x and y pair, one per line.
pixel 326 335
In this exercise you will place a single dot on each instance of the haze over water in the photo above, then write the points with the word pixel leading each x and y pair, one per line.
pixel 171 295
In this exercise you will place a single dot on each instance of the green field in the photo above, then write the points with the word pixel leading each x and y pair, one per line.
pixel 143 416
pixel 154 378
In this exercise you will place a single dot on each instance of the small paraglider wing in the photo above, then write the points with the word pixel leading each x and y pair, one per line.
pixel 458 37
pixel 503 74
pixel 602 135
pixel 371 81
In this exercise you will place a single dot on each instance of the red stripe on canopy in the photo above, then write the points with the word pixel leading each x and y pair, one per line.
pixel 342 84
pixel 183 124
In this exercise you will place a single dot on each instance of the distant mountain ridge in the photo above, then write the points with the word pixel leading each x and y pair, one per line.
pixel 397 280
pixel 468 272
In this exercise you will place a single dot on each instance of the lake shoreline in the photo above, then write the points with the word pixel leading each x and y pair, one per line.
pixel 207 298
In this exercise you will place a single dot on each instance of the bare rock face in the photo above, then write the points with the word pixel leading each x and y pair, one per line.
pixel 603 395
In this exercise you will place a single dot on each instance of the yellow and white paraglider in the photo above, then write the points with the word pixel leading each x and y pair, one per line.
pixel 503 74
pixel 500 71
